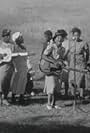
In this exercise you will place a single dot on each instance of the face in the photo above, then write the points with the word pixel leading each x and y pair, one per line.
pixel 46 38
pixel 59 40
pixel 7 38
pixel 76 36
pixel 20 40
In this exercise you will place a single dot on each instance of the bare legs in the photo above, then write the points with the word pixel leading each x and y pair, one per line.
pixel 51 99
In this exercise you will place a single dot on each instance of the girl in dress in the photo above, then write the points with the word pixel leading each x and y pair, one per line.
pixel 56 51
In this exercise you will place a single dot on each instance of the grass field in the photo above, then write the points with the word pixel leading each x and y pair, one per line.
pixel 32 18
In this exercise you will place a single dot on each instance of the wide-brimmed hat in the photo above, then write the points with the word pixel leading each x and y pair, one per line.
pixel 6 32
pixel 60 32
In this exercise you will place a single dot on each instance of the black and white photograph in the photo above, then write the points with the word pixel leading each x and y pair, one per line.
pixel 44 66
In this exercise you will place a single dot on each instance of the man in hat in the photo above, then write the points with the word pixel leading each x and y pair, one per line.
pixel 6 68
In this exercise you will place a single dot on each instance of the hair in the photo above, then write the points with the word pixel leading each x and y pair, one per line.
pixel 75 29
pixel 48 33
pixel 6 32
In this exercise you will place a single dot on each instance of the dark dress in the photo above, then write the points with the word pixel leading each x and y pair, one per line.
pixel 20 76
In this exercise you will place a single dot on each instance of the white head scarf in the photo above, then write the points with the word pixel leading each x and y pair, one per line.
pixel 16 35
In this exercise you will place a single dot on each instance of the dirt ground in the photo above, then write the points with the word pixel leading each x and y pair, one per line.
pixel 35 118
pixel 32 17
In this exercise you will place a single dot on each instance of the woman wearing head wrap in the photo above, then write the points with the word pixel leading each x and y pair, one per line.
pixel 20 63
pixel 6 68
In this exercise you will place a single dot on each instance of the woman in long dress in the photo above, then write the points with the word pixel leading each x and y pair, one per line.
pixel 20 64
pixel 78 57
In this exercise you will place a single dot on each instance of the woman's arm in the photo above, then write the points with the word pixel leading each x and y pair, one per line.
pixel 85 51
pixel 29 66
pixel 86 47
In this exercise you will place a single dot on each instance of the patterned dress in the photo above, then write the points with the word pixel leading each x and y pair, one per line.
pixel 77 59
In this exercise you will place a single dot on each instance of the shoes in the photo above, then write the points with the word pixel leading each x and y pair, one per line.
pixel 5 102
pixel 21 100
pixel 57 107
pixel 87 97
pixel 49 107
pixel 13 99
pixel 81 98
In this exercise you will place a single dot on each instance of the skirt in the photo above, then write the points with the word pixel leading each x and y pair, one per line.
pixel 51 84
pixel 19 82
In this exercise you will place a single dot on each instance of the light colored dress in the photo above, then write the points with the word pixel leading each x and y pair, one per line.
pixel 6 70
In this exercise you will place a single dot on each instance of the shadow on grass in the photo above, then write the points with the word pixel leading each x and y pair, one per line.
pixel 35 100
pixel 41 98
pixel 29 100
pixel 50 128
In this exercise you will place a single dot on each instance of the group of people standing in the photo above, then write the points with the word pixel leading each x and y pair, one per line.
pixel 13 73
pixel 69 55
pixel 73 53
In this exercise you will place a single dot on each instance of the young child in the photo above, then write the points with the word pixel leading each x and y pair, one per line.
pixel 56 51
